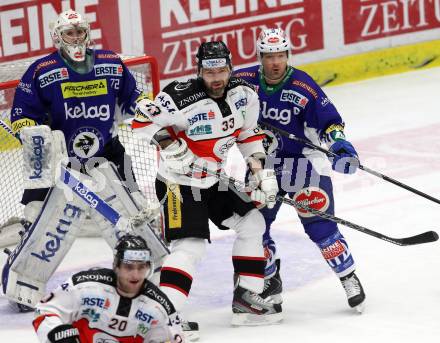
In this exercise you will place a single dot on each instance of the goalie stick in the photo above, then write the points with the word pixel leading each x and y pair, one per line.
pixel 332 154
pixel 96 202
pixel 425 237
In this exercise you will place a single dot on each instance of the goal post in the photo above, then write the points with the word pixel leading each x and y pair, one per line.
pixel 144 157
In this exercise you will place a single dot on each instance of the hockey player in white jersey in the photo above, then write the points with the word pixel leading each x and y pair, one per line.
pixel 110 305
pixel 197 122
pixel 68 105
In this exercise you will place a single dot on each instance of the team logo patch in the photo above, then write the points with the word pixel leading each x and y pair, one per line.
pixel 53 76
pixel 84 89
pixel 108 69
pixel 85 143
pixel 312 197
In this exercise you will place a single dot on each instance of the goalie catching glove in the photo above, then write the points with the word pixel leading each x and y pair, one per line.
pixel 177 157
pixel 267 188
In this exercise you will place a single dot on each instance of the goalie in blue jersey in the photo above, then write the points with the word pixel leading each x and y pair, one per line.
pixel 292 101
pixel 68 106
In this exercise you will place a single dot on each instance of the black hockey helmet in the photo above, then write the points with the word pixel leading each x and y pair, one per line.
pixel 213 55
pixel 131 249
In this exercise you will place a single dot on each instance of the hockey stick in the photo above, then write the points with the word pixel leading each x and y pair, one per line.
pixel 425 237
pixel 94 201
pixel 332 154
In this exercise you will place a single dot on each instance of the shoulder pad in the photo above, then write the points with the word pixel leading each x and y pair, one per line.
pixel 237 81
pixel 44 63
pixel 185 93
pixel 103 275
pixel 153 292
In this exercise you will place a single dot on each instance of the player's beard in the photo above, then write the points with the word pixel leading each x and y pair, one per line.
pixel 216 89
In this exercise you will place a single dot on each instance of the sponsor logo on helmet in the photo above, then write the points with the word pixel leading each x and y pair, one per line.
pixel 214 63
pixel 273 40
pixel 53 76
pixel 84 89
pixel 312 197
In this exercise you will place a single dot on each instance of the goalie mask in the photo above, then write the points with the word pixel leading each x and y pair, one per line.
pixel 71 34
pixel 272 40
pixel 213 55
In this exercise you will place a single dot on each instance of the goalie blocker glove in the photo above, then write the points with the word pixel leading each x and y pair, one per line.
pixel 65 333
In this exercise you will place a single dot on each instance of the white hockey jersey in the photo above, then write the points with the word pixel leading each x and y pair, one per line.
pixel 209 126
pixel 90 302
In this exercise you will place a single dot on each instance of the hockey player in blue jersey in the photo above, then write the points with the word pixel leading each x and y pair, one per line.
pixel 68 104
pixel 292 101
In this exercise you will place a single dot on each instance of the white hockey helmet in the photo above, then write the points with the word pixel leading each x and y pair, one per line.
pixel 272 40
pixel 66 21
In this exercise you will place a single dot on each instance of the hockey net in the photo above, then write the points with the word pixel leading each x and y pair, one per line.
pixel 144 157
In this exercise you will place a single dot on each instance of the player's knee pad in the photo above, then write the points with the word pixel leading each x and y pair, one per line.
pixel 186 252
pixel 337 254
pixel 250 225
pixel 41 249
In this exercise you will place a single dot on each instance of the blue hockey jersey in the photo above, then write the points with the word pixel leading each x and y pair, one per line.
pixel 86 107
pixel 297 105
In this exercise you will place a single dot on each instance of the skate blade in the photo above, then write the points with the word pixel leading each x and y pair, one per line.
pixel 191 336
pixel 360 308
pixel 250 319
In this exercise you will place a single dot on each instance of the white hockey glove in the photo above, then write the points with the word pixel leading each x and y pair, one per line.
pixel 267 188
pixel 177 157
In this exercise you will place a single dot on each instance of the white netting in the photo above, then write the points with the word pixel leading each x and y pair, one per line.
pixel 11 184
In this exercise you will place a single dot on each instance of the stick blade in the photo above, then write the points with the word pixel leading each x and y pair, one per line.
pixel 425 237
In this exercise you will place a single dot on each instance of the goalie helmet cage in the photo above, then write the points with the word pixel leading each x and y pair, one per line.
pixel 144 157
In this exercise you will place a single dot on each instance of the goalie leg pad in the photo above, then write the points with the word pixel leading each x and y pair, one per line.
pixel 41 249
pixel 42 151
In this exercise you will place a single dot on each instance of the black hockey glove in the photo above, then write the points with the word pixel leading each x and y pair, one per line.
pixel 65 333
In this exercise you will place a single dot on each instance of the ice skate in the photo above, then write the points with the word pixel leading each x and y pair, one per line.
pixel 273 288
pixel 355 292
pixel 250 308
